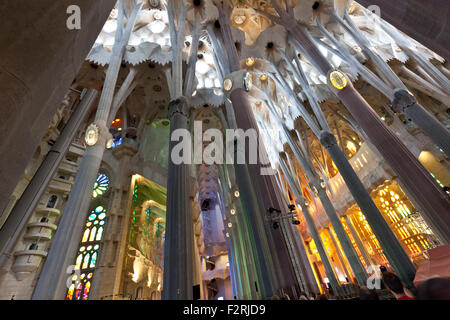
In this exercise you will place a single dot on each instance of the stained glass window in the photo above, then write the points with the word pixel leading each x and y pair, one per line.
pixel 101 185
pixel 117 141
pixel 87 256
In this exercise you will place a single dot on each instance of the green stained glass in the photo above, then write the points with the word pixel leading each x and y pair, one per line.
pixel 102 215
pixel 99 209
pixel 93 260
pixel 92 216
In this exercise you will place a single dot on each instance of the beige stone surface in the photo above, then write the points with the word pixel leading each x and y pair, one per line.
pixel 39 59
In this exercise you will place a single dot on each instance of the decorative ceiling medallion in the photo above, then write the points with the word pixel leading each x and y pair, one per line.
pixel 239 19
pixel 227 84
pixel 92 133
pixel 338 79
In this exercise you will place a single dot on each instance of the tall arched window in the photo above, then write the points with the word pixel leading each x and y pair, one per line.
pixel 91 237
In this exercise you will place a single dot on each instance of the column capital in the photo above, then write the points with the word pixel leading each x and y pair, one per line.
pixel 327 139
pixel 180 106
pixel 402 100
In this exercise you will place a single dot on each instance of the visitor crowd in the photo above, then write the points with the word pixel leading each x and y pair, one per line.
pixel 437 288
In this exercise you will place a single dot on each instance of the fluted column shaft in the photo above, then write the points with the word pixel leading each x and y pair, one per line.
pixel 340 256
pixel 359 244
pixel 406 103
pixel 27 203
pixel 418 182
pixel 66 240
pixel 275 261
pixel 389 243
pixel 320 248
pixel 52 281
pixel 178 255
pixel 350 253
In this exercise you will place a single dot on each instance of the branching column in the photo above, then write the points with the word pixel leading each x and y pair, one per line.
pixel 52 281
pixel 418 182
pixel 257 191
pixel 27 203
pixel 389 243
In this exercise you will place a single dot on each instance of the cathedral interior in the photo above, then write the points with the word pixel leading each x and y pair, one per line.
pixel 346 105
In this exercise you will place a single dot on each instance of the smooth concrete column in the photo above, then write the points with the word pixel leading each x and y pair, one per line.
pixel 114 242
pixel 178 255
pixel 389 243
pixel 25 206
pixel 331 213
pixel 38 62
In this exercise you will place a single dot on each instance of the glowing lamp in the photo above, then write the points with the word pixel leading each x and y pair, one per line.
pixel 338 80
pixel 250 62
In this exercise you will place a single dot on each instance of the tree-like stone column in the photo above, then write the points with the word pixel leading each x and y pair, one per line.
pixel 178 264
pixel 52 281
pixel 257 190
pixel 419 184
pixel 38 65
pixel 308 214
pixel 27 203
pixel 392 248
